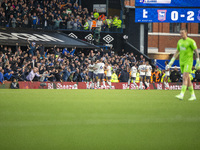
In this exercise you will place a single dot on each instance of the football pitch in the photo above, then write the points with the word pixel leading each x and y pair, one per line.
pixel 98 120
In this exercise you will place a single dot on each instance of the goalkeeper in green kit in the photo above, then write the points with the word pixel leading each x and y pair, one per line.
pixel 186 47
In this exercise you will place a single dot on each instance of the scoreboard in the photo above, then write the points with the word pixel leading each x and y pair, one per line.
pixel 171 15
pixel 167 3
pixel 148 11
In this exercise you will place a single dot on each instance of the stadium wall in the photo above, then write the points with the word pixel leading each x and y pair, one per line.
pixel 162 42
pixel 82 85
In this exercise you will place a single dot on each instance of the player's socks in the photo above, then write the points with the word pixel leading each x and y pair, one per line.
pixel 92 85
pixel 135 84
pixel 104 85
pixel 146 84
pixel 87 85
pixel 191 90
pixel 181 95
pixel 98 84
pixel 110 84
pixel 168 85
pixel 141 85
pixel 183 89
pixel 129 81
pixel 193 97
pixel 107 82
pixel 165 84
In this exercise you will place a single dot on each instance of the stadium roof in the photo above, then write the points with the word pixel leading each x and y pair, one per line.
pixel 10 36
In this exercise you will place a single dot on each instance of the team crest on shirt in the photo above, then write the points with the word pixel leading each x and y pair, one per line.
pixel 162 15
pixel 182 48
pixel 198 16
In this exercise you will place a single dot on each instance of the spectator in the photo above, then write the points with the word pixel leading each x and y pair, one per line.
pixel 156 76
pixel 86 25
pixel 197 76
pixel 35 21
pixel 3 20
pixel 32 74
pixel 32 48
pixel 25 21
pixel 124 75
pixel 99 23
pixel 12 21
pixel 14 84
pixel 46 21
pixel 96 14
pixel 57 23
pixel 1 75
pixel 175 75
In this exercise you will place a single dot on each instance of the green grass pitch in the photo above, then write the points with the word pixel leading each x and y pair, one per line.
pixel 98 120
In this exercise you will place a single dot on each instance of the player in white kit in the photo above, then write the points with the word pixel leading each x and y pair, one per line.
pixel 100 67
pixel 148 74
pixel 108 74
pixel 133 76
pixel 166 77
pixel 95 74
pixel 142 70
pixel 90 74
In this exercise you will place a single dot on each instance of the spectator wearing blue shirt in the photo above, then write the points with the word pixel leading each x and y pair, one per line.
pixel 73 51
pixel 1 75
pixel 32 47
pixel 35 20
pixel 65 50
pixel 8 76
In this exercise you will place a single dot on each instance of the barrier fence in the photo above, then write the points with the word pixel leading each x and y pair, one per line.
pixel 82 85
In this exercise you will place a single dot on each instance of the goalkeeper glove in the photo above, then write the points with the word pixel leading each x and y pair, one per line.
pixel 171 61
pixel 197 66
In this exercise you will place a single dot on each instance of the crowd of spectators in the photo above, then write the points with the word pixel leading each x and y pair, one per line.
pixel 37 63
pixel 54 14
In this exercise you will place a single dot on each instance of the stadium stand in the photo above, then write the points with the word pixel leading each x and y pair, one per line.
pixel 54 14
pixel 56 64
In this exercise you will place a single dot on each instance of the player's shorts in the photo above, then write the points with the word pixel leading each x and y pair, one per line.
pixel 108 78
pixel 187 67
pixel 133 78
pixel 142 76
pixel 91 75
pixel 95 76
pixel 148 77
pixel 101 76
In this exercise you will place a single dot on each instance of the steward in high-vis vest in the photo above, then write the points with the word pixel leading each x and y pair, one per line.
pixel 94 23
pixel 156 76
pixel 192 74
pixel 96 14
pixel 86 25
pixel 115 23
pixel 103 17
pixel 119 25
pixel 114 78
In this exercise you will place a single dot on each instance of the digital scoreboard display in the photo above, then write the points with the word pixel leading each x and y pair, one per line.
pixel 170 15
pixel 167 3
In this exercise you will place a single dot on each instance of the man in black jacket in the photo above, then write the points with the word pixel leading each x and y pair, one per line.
pixel 197 76
pixel 124 75
pixel 14 84
pixel 175 75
